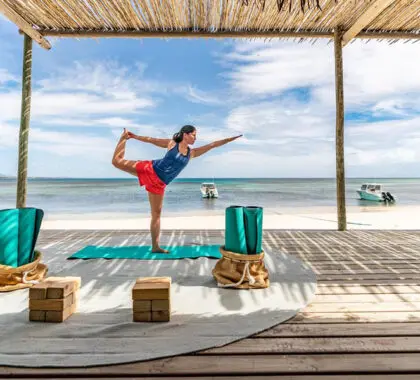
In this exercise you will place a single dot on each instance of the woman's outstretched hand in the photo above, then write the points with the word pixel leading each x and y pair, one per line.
pixel 234 138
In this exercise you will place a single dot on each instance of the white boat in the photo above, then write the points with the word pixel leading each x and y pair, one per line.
pixel 374 192
pixel 209 190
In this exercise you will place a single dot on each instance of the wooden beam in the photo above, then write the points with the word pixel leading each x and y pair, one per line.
pixel 24 123
pixel 373 11
pixel 394 35
pixel 339 131
pixel 186 34
pixel 390 35
pixel 24 25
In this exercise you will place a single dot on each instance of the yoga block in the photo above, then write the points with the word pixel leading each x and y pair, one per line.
pixel 38 291
pixel 51 304
pixel 153 280
pixel 161 316
pixel 76 280
pixel 54 288
pixel 60 316
pixel 57 290
pixel 37 315
pixel 144 316
pixel 161 305
pixel 142 306
pixel 151 299
pixel 54 299
pixel 53 310
pixel 152 288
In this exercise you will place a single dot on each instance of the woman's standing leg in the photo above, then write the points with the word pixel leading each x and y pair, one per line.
pixel 156 202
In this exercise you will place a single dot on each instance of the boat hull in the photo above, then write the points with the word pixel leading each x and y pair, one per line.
pixel 369 196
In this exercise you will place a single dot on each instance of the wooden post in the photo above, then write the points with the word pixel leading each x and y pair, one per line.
pixel 339 131
pixel 24 122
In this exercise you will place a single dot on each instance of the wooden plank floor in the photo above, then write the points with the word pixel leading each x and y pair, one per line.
pixel 363 324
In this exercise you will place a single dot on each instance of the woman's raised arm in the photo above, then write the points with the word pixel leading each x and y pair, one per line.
pixel 162 143
pixel 205 148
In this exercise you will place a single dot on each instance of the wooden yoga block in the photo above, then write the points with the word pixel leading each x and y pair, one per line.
pixel 38 291
pixel 76 280
pixel 153 280
pixel 51 304
pixel 37 315
pixel 161 316
pixel 144 316
pixel 140 306
pixel 151 299
pixel 152 288
pixel 60 316
pixel 54 299
pixel 54 287
pixel 161 305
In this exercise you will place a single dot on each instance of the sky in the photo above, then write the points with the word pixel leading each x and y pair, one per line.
pixel 279 94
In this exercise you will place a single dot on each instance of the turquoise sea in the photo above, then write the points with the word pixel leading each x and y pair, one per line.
pixel 107 197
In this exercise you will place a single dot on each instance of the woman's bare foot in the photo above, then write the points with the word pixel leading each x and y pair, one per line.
pixel 159 250
pixel 126 135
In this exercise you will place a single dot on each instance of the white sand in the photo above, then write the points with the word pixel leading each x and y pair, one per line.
pixel 402 217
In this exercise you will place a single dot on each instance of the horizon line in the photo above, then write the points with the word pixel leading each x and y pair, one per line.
pixel 207 178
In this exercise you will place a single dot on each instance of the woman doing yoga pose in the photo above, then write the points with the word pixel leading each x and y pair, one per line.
pixel 155 175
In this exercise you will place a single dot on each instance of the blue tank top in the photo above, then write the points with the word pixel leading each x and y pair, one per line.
pixel 168 167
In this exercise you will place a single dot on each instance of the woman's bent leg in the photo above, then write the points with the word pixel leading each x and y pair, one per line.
pixel 156 202
pixel 118 159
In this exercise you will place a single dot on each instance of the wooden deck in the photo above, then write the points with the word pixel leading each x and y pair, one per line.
pixel 363 324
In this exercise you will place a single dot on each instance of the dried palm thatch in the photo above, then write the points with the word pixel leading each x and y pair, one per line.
pixel 213 18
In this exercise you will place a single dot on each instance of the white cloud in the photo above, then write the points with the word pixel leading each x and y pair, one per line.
pixel 198 96
pixel 248 163
pixel 275 67
pixel 111 122
pixel 59 142
pixel 8 135
pixel 397 106
pixel 69 105
pixel 384 143
pixel 83 96
pixel 72 144
pixel 373 72
pixel 6 76
pixel 108 78
pixel 377 70
pixel 281 119
pixel 381 81
pixel 80 93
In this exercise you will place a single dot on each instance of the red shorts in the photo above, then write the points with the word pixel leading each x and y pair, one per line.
pixel 148 178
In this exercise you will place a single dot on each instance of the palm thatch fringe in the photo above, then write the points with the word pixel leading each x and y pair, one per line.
pixel 402 16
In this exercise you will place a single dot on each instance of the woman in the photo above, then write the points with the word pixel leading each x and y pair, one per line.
pixel 155 175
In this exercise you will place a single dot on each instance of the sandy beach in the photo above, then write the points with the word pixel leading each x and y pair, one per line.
pixel 401 218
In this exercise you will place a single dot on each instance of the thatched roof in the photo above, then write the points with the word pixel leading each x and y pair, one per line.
pixel 168 18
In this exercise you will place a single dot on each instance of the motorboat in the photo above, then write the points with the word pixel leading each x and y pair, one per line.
pixel 375 192
pixel 209 190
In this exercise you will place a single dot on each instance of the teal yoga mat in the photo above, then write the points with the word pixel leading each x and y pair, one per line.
pixel 9 241
pixel 253 217
pixel 235 239
pixel 145 252
pixel 29 225
pixel 19 230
